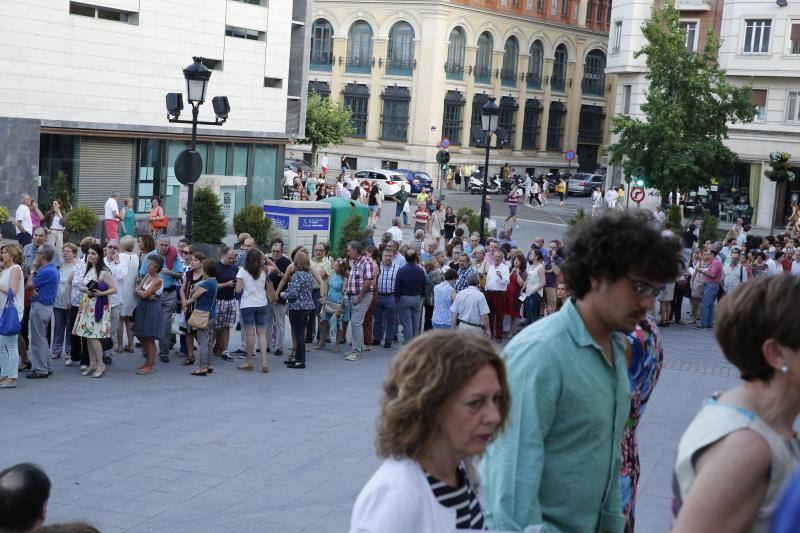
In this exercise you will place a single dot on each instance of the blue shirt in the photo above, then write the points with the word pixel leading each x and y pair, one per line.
pixel 399 260
pixel 410 281
pixel 386 278
pixel 206 301
pixel 46 280
pixel 177 266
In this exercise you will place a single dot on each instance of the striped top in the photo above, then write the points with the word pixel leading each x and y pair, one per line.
pixel 461 498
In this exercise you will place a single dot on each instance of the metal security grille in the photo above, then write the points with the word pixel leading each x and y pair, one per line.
pixel 104 166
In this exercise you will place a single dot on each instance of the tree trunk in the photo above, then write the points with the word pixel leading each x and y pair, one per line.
pixel 314 157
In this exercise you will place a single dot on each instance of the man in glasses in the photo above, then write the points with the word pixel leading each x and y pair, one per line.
pixel 119 270
pixel 557 464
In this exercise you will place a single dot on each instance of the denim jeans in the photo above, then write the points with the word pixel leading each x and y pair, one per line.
pixel 710 290
pixel 9 356
pixel 384 318
pixel 398 210
pixel 408 312
pixel 532 306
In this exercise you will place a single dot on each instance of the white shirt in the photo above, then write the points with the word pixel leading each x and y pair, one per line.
pixel 254 292
pixel 535 278
pixel 399 499
pixel 126 288
pixel 470 305
pixel 497 277
pixel 119 271
pixel 397 233
pixel 733 276
pixel 774 267
pixel 24 215
pixel 796 268
pixel 110 209
pixel 288 177
pixel 611 197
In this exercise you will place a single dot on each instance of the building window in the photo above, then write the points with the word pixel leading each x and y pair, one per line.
pixel 555 127
pixel 508 74
pixel 590 124
pixel 626 99
pixel 400 59
pixel 455 55
pixel 535 65
pixel 359 48
pixel 690 28
pixel 506 122
pixel 793 107
pixel 589 11
pixel 483 60
pixel 453 118
pixel 616 39
pixel 594 78
pixel 554 7
pixel 322 88
pixel 356 99
pixel 600 7
pixel 253 2
pixel 558 79
pixel 476 126
pixel 104 13
pixel 321 45
pixel 756 36
pixel 394 120
pixel 758 97
pixel 244 33
pixel 540 5
pixel 794 38
pixel 565 7
pixel 530 125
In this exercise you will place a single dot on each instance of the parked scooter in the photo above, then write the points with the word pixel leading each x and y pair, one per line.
pixel 476 185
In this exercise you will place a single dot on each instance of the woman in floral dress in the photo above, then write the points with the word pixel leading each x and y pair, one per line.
pixel 645 359
pixel 94 314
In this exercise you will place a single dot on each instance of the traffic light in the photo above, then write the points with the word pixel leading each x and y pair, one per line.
pixel 445 166
pixel 640 182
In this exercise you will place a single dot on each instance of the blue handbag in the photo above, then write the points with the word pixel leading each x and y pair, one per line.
pixel 9 320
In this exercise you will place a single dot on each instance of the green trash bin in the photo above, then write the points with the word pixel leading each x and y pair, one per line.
pixel 341 208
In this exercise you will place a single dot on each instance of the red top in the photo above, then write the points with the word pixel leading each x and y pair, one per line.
pixel 714 272
pixel 421 215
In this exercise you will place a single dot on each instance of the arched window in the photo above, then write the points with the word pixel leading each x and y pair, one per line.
pixel 359 47
pixel 559 68
pixel 483 60
pixel 401 49
pixel 594 77
pixel 508 74
pixel 455 54
pixel 535 64
pixel 321 45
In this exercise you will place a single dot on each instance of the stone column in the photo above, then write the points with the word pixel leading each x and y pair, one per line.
pixel 469 80
pixel 19 164
pixel 337 71
pixel 547 73
pixel 522 68
pixel 574 93
pixel 379 48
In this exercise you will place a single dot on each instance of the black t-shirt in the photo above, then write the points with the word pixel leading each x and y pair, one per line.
pixel 226 273
pixel 275 277
pixel 689 238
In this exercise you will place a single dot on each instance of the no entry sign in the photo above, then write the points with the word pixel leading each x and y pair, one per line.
pixel 637 195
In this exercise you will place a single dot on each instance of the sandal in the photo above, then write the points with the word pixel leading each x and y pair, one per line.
pixel 129 349
pixel 202 373
pixel 265 370
pixel 187 362
pixel 246 368
pixel 145 371
pixel 210 370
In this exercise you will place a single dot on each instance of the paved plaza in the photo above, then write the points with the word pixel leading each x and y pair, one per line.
pixel 283 452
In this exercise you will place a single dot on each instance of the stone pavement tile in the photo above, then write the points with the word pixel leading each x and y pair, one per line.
pixel 100 518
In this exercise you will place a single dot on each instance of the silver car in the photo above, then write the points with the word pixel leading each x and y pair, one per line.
pixel 582 184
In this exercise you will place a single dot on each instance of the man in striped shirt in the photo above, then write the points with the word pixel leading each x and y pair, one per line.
pixel 359 283
pixel 513 201
pixel 385 312
pixel 464 270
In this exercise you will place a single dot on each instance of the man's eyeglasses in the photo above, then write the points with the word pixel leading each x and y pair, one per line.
pixel 276 251
pixel 640 288
pixel 113 247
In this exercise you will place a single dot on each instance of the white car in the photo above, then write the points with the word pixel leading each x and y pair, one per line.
pixel 389 181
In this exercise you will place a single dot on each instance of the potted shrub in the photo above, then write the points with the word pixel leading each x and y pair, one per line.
pixel 208 223
pixel 352 231
pixel 251 220
pixel 4 217
pixel 474 219
pixel 82 222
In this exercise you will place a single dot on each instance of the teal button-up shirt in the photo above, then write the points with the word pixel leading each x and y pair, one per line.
pixel 557 463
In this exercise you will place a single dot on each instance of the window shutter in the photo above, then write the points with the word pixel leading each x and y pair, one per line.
pixel 796 32
pixel 105 165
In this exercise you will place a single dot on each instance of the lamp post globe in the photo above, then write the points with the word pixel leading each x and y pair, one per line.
pixel 490 115
pixel 197 76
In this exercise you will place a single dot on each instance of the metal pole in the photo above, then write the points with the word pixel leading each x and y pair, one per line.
pixel 190 196
pixel 483 195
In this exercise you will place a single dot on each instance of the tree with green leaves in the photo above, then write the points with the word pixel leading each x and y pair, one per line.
pixel 680 145
pixel 327 123
pixel 208 222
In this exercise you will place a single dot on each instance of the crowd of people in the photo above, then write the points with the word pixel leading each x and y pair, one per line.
pixel 543 435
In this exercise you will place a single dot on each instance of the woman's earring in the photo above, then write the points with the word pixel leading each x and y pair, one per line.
pixel 785 369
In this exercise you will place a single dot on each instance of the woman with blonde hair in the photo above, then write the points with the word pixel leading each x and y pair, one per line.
pixel 12 285
pixel 445 399
pixel 127 292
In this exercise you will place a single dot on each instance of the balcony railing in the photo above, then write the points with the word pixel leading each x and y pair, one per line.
pixel 454 71
pixel 508 77
pixel 558 83
pixel 321 61
pixel 359 64
pixel 400 66
pixel 534 80
pixel 483 74
pixel 593 86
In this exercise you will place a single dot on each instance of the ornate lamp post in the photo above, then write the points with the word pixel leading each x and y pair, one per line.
pixel 490 114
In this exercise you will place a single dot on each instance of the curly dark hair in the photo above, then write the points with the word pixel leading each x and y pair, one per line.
pixel 617 244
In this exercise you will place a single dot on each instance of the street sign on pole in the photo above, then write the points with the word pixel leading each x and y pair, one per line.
pixel 188 167
pixel 445 143
pixel 569 155
pixel 637 195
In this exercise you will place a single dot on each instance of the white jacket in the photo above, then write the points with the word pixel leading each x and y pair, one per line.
pixel 399 499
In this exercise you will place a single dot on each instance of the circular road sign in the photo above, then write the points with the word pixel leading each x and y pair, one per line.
pixel 569 155
pixel 637 194
pixel 445 143
pixel 188 167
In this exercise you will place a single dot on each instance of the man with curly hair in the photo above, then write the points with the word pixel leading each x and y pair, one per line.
pixel 557 465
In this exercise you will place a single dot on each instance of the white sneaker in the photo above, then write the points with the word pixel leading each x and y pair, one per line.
pixel 84 367
pixel 68 362
pixel 353 356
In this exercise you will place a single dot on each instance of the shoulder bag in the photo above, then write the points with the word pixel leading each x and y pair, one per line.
pixel 9 320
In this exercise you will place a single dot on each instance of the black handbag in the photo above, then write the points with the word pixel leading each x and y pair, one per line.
pixel 107 344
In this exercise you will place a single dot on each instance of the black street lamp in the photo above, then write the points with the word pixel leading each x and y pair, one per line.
pixel 189 163
pixel 490 114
